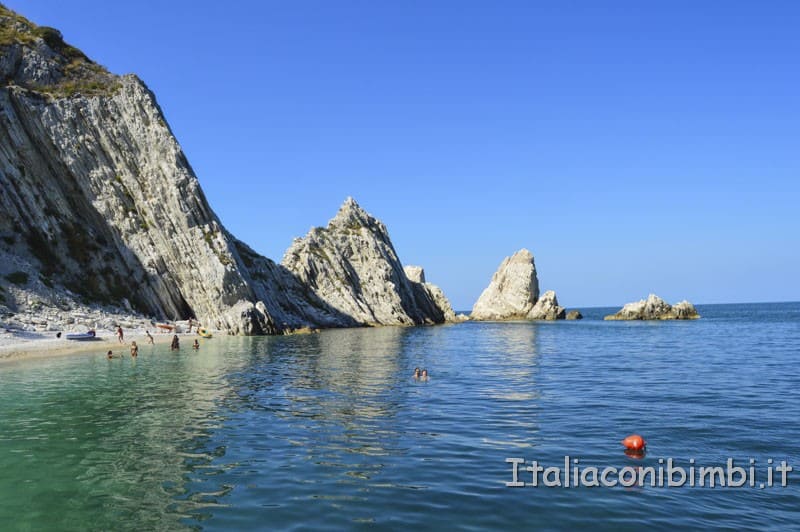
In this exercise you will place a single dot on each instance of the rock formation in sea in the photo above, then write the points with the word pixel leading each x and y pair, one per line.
pixel 574 315
pixel 513 293
pixel 352 266
pixel 655 308
pixel 547 308
pixel 100 205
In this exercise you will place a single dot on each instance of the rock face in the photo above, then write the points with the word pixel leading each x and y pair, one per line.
pixel 352 266
pixel 99 203
pixel 415 274
pixel 546 308
pixel 655 308
pixel 513 291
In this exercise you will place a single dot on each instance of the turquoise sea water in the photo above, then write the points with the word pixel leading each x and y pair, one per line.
pixel 329 431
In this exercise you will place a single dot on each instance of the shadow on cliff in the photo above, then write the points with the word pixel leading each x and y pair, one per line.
pixel 50 218
pixel 290 303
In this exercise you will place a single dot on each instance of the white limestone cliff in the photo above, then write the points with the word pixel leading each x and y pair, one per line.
pixel 352 266
pixel 100 205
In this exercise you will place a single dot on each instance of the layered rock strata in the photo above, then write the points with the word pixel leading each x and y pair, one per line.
pixel 100 204
pixel 352 266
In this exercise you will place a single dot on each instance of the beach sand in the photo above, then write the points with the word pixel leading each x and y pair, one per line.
pixel 16 346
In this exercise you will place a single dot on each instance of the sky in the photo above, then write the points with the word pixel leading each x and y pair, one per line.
pixel 633 147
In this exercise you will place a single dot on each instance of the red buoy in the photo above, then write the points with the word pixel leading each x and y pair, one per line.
pixel 634 442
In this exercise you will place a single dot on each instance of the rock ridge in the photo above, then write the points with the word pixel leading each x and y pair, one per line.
pixel 353 267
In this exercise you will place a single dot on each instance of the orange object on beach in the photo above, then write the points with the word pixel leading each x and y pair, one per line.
pixel 165 326
pixel 634 442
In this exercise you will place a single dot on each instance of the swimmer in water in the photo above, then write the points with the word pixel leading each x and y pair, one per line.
pixel 424 375
pixel 110 355
pixel 416 373
pixel 196 345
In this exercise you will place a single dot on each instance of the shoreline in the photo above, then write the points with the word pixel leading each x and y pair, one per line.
pixel 24 346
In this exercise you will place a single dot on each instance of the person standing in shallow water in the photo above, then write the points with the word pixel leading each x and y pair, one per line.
pixel 196 345
pixel 134 350
pixel 176 343
pixel 120 334
pixel 149 337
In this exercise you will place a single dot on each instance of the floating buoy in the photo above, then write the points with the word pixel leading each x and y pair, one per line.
pixel 634 442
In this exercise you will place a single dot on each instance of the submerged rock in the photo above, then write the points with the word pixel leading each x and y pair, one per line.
pixel 655 308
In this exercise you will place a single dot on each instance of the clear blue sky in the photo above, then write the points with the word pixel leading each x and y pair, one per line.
pixel 633 147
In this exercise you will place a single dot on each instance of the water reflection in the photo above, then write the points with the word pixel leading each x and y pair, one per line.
pixel 107 442
pixel 332 395
pixel 518 365
pixel 329 430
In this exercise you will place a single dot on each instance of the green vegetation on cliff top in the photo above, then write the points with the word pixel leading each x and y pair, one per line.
pixel 75 73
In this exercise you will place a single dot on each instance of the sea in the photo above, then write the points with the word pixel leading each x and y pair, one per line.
pixel 330 431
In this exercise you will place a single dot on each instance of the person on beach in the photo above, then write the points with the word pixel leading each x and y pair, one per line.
pixel 190 324
pixel 196 345
pixel 416 373
pixel 149 337
pixel 176 343
pixel 120 334
pixel 134 350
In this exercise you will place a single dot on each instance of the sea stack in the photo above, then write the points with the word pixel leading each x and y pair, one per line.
pixel 513 293
pixel 655 308
pixel 352 266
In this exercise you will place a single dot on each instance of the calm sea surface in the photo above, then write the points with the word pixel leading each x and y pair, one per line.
pixel 329 431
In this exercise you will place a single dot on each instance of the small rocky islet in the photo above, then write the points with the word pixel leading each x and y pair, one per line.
pixel 655 308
